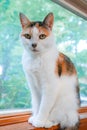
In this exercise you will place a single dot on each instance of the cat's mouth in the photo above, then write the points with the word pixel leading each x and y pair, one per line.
pixel 34 50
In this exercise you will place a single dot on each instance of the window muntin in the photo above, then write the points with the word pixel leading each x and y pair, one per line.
pixel 70 32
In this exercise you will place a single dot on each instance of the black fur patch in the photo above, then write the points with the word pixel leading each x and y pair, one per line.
pixel 32 24
pixel 78 94
pixel 69 65
pixel 59 70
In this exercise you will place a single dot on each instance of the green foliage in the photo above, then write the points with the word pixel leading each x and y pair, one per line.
pixel 14 92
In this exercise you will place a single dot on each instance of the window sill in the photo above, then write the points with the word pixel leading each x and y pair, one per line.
pixel 20 120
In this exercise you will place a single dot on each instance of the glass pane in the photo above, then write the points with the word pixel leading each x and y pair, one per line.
pixel 71 37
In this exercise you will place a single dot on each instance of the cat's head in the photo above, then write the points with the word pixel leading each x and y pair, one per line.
pixel 37 36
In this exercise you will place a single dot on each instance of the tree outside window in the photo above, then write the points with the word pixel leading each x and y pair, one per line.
pixel 71 38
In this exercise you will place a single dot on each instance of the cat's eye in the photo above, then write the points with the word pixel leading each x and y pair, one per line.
pixel 42 36
pixel 28 36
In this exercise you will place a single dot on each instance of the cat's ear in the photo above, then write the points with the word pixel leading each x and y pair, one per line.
pixel 48 21
pixel 24 20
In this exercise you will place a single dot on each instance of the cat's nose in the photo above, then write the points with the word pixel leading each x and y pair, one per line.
pixel 34 45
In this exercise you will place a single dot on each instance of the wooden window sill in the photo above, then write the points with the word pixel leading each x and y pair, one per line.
pixel 18 121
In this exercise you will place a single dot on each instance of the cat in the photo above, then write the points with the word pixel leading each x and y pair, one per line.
pixel 51 76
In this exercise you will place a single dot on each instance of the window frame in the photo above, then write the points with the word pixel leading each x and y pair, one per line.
pixel 78 7
pixel 12 118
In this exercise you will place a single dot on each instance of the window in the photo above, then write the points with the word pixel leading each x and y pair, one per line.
pixel 71 37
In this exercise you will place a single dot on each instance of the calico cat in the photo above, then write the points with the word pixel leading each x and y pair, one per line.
pixel 51 76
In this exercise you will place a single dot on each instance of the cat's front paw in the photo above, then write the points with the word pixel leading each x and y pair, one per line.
pixel 31 119
pixel 42 123
pixel 48 124
pixel 38 123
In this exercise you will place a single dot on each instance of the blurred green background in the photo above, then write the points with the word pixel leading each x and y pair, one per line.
pixel 71 38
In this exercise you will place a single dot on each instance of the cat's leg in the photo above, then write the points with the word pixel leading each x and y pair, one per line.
pixel 65 113
pixel 71 121
pixel 35 105
pixel 35 96
pixel 47 101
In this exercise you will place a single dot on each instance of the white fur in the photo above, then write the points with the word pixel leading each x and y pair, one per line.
pixel 53 98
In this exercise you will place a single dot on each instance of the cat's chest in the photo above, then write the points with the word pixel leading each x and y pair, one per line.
pixel 44 66
pixel 33 65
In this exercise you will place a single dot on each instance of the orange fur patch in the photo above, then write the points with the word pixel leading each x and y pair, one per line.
pixel 64 66
pixel 26 31
pixel 42 29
